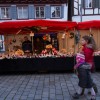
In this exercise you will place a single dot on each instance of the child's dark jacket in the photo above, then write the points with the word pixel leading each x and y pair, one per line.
pixel 84 73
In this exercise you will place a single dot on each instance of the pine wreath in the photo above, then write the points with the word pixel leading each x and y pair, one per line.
pixel 71 35
pixel 33 29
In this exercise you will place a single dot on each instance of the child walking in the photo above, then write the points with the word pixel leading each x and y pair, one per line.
pixel 84 75
pixel 89 46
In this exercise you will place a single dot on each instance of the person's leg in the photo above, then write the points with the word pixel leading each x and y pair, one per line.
pixel 93 94
pixel 94 84
pixel 95 87
pixel 82 92
pixel 79 90
pixel 78 93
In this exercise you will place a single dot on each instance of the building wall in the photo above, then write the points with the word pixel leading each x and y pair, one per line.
pixel 67 43
pixel 31 11
pixel 83 13
pixel 85 18
pixel 9 44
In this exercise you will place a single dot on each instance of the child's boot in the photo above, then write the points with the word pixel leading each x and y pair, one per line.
pixel 76 96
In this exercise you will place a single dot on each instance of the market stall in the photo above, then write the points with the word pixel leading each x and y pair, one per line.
pixel 53 56
pixel 54 44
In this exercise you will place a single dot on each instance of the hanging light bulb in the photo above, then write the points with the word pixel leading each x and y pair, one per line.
pixel 31 34
pixel 90 30
pixel 63 36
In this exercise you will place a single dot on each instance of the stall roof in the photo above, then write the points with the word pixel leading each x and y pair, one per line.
pixel 14 26
pixel 89 24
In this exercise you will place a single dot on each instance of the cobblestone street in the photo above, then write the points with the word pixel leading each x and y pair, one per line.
pixel 42 86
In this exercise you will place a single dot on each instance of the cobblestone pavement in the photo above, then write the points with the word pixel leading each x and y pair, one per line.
pixel 42 86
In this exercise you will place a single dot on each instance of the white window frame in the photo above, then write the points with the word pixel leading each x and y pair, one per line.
pixel 87 3
pixel 5 13
pixel 39 12
pixel 22 8
pixel 55 12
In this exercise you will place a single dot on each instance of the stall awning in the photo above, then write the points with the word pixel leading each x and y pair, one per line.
pixel 14 26
pixel 89 24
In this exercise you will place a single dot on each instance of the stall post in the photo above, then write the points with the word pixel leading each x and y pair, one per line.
pixel 74 42
pixel 32 35
pixel 67 43
pixel 63 39
pixel 97 39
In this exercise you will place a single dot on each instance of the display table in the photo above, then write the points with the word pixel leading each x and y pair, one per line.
pixel 97 62
pixel 37 64
pixel 41 64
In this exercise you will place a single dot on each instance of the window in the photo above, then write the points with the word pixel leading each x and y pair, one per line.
pixel 55 11
pixel 5 12
pixel 2 43
pixel 88 4
pixel 22 12
pixel 39 12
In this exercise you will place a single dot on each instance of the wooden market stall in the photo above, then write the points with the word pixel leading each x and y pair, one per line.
pixel 49 62
pixel 56 61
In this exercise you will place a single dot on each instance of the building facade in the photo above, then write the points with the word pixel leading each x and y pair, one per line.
pixel 33 9
pixel 85 10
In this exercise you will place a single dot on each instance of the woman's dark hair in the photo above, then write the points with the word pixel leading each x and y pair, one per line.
pixel 90 40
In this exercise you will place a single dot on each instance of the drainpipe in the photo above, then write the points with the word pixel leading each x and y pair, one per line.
pixel 80 11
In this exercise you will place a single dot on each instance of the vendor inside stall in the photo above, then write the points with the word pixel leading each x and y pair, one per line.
pixel 27 45
pixel 38 45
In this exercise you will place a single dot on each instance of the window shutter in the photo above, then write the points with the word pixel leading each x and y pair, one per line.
pixel 47 11
pixel 62 11
pixel 13 12
pixel 10 13
pixel 31 12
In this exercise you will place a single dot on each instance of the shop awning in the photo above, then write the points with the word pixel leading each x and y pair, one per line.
pixel 89 24
pixel 15 26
